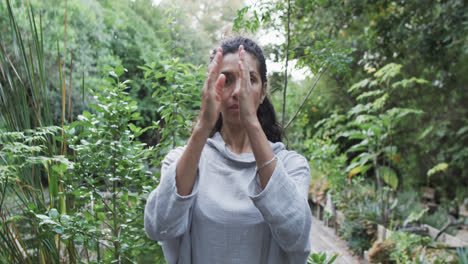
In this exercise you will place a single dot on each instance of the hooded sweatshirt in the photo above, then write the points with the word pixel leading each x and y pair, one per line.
pixel 228 218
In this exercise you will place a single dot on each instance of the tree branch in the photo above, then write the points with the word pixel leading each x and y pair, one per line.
pixel 305 99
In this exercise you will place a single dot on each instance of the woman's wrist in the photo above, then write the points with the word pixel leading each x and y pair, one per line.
pixel 201 129
pixel 251 122
pixel 252 125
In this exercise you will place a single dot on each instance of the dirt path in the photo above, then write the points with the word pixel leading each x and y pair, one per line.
pixel 324 239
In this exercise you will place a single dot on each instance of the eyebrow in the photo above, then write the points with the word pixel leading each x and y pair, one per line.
pixel 252 73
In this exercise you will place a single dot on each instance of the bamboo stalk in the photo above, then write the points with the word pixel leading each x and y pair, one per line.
pixel 63 79
pixel 283 117
pixel 24 102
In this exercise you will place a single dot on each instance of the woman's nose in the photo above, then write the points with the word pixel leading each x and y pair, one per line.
pixel 236 91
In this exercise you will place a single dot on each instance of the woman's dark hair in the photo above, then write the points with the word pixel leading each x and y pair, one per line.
pixel 265 113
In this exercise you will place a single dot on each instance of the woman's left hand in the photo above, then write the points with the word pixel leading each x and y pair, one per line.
pixel 249 95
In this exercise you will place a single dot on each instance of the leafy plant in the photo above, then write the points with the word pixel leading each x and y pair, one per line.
pixel 28 149
pixel 361 208
pixel 110 179
pixel 462 255
pixel 412 248
pixel 21 198
pixel 321 258
pixel 177 98
pixel 374 123
pixel 415 217
pixel 325 157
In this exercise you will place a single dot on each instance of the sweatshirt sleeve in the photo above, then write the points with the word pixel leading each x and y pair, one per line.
pixel 167 214
pixel 283 203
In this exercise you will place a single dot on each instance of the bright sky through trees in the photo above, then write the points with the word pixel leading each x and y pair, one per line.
pixel 266 38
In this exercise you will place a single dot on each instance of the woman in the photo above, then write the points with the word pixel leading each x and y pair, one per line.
pixel 233 194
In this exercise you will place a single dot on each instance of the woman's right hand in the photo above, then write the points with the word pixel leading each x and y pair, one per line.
pixel 211 94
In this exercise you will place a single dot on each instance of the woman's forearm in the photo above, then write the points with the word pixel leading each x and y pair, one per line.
pixel 262 151
pixel 186 171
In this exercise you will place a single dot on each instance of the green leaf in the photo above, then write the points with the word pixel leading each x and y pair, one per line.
pixel 426 132
pixel 406 83
pixel 415 216
pixel 352 134
pixel 389 176
pixel 113 74
pixel 376 130
pixel 361 119
pixel 60 139
pixel 316 258
pixel 43 217
pixel 437 168
pixel 134 128
pixel 88 215
pixel 13 218
pixel 119 70
pixel 58 229
pixel 388 72
pixel 101 216
pixel 359 109
pixel 332 259
pixel 62 167
pixel 397 113
pixel 323 257
pixel 358 86
pixel 462 130
pixel 369 94
pixel 379 103
pixel 359 170
pixel 361 146
pixel 53 213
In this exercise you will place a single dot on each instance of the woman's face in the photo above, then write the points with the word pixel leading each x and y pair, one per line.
pixel 230 92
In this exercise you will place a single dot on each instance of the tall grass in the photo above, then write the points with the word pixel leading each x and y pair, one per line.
pixel 24 107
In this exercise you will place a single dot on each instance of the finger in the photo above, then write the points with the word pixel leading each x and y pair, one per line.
pixel 241 48
pixel 219 86
pixel 243 68
pixel 214 68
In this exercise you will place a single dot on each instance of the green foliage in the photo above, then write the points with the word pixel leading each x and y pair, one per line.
pixel 389 176
pixel 412 248
pixel 28 150
pixel 462 255
pixel 322 53
pixel 362 211
pixel 95 204
pixel 392 110
pixel 21 152
pixel 370 126
pixel 325 158
pixel 23 90
pixel 321 258
pixel 439 167
pixel 110 180
pixel 440 217
pixel 177 98
pixel 408 201
pixel 415 217
pixel 400 39
pixel 406 244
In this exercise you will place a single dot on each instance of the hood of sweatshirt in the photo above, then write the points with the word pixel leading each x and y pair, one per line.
pixel 217 143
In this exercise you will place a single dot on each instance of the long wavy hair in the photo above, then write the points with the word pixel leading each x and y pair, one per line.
pixel 265 112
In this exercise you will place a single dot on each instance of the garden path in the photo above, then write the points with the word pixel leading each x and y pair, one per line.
pixel 324 239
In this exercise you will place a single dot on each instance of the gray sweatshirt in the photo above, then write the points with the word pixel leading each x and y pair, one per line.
pixel 228 218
